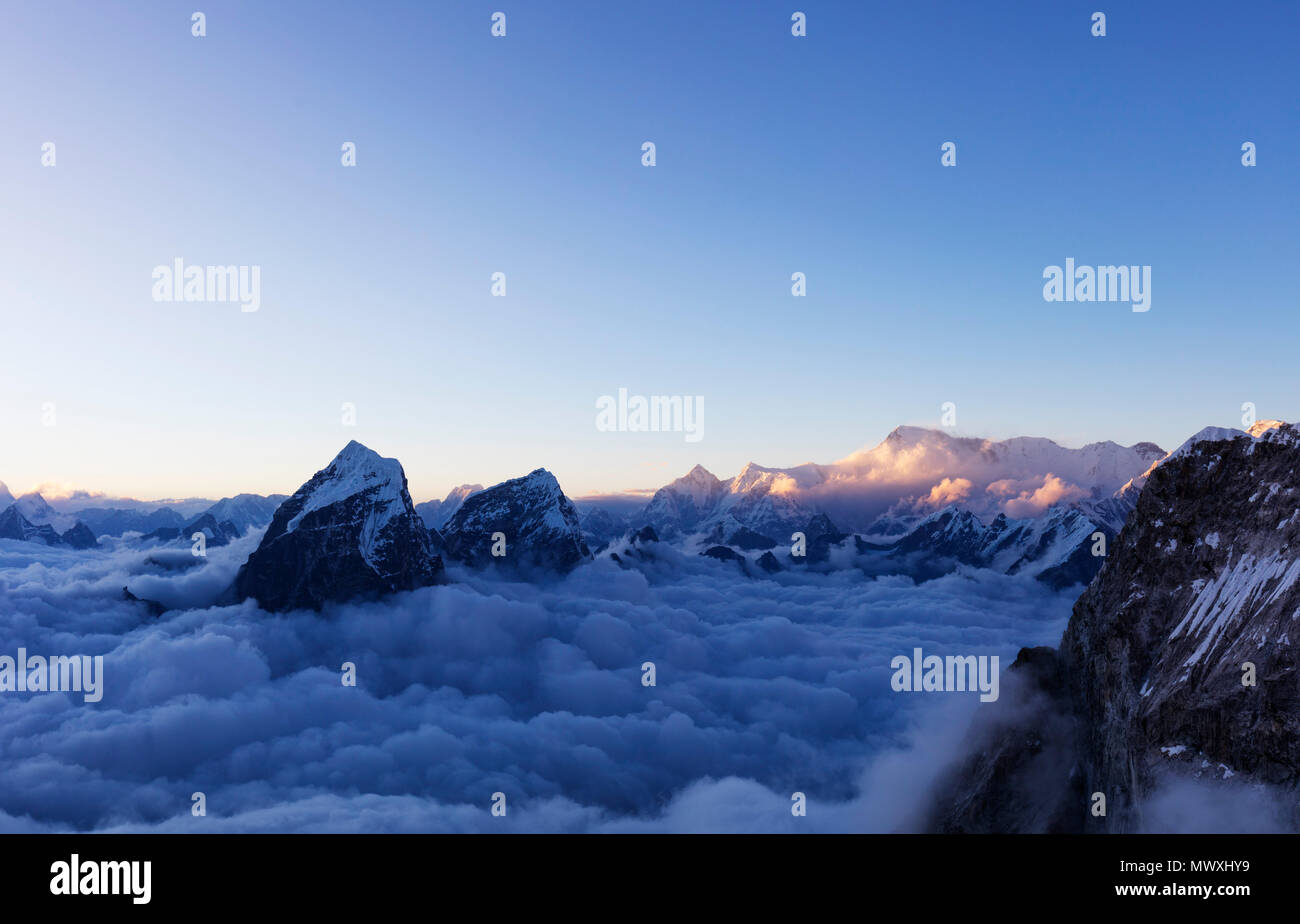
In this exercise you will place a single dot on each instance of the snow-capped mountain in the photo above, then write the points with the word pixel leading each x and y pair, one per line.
pixel 538 522
pixel 889 490
pixel 435 513
pixel 1179 661
pixel 215 534
pixel 5 497
pixel 31 519
pixel 78 501
pixel 600 525
pixel 114 521
pixel 682 505
pixel 763 500
pixel 245 511
pixel 1056 548
pixel 34 508
pixel 350 531
pixel 13 525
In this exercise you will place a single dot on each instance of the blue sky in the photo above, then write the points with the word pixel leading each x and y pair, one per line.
pixel 522 155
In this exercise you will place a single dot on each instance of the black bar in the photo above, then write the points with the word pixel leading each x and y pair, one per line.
pixel 331 874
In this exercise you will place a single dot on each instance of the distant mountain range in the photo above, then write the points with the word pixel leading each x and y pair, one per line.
pixel 887 490
pixel 1023 505
pixel 919 503
pixel 33 519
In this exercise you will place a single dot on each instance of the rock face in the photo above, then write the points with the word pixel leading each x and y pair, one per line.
pixel 539 524
pixel 350 531
pixel 1018 776
pixel 217 533
pixel 600 527
pixel 1056 548
pixel 722 553
pixel 244 512
pixel 820 535
pixel 1202 581
pixel 14 525
pixel 80 537
pixel 745 538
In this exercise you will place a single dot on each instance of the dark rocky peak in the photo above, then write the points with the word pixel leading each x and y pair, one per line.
pixel 529 520
pixel 351 531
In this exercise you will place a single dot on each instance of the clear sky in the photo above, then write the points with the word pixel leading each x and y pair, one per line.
pixel 522 155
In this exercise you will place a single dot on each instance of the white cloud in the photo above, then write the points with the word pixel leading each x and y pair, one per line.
pixel 476 687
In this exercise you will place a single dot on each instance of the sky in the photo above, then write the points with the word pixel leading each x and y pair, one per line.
pixel 522 155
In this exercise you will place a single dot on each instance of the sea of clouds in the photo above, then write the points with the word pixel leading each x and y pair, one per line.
pixel 764 688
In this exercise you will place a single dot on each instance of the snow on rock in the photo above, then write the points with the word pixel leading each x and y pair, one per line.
pixel 350 531
pixel 529 518
pixel 889 489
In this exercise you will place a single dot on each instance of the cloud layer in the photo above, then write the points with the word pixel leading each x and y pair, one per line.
pixel 764 688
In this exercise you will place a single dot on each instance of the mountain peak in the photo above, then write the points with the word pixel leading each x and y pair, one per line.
pixel 350 530
pixel 539 523
pixel 355 450
pixel 34 501
pixel 906 433
pixel 1260 427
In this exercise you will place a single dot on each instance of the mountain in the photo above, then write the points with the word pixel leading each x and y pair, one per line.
pixel 436 513
pixel 601 526
pixel 14 525
pixel 759 499
pixel 1056 547
pixel 5 497
pixel 79 536
pixel 350 531
pixel 682 505
pixel 215 534
pixel 34 508
pixel 1178 663
pixel 30 518
pixel 539 523
pixel 78 501
pixel 114 521
pixel 245 511
pixel 888 490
